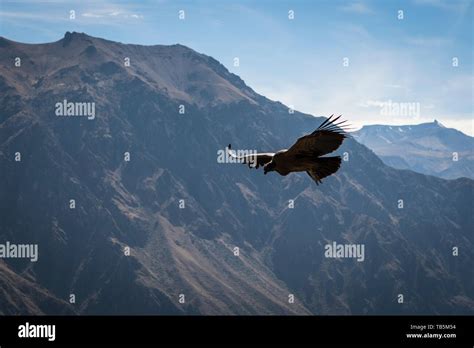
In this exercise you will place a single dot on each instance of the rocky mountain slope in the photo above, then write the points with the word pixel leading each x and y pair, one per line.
pixel 182 214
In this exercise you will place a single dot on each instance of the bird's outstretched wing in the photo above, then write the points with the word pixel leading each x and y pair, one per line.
pixel 325 139
pixel 254 160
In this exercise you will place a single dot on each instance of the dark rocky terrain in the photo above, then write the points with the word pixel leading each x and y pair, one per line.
pixel 174 157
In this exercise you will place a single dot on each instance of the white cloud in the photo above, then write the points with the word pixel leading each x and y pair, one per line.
pixel 451 5
pixel 393 86
pixel 360 91
pixel 427 41
pixel 112 14
pixel 464 125
pixel 357 7
pixel 92 15
pixel 372 103
pixel 37 16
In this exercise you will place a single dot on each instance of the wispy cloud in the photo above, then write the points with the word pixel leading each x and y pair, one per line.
pixel 113 14
pixel 391 85
pixel 427 41
pixel 451 5
pixel 357 7
pixel 372 103
pixel 36 16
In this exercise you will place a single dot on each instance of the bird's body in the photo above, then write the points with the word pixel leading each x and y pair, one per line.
pixel 283 167
pixel 305 154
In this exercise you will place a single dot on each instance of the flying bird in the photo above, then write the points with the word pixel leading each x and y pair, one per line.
pixel 305 154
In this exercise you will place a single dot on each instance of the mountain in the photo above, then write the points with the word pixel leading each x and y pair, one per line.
pixel 427 148
pixel 182 214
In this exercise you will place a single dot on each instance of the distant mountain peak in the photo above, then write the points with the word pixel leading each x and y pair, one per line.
pixel 74 36
pixel 427 148
pixel 74 33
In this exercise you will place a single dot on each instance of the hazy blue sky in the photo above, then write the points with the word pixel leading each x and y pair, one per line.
pixel 297 61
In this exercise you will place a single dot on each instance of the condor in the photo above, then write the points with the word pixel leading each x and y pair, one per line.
pixel 305 154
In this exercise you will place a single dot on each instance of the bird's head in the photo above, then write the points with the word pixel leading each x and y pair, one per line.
pixel 269 167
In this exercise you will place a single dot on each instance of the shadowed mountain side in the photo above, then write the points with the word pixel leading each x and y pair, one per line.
pixel 20 295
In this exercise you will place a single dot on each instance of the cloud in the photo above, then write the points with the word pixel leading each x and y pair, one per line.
pixel 464 125
pixel 112 14
pixel 36 16
pixel 92 15
pixel 372 103
pixel 55 15
pixel 427 41
pixel 360 91
pixel 357 7
pixel 392 85
pixel 455 6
